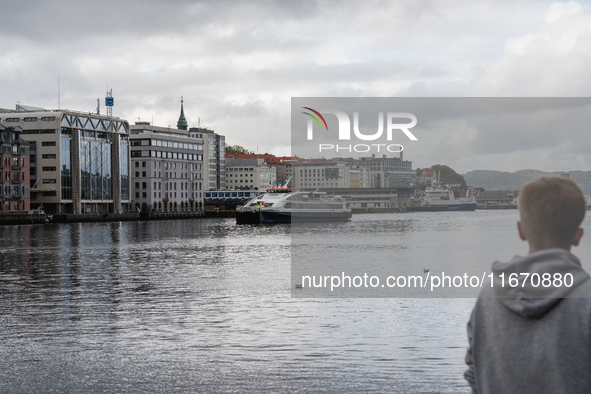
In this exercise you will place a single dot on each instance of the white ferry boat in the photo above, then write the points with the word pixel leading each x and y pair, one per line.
pixel 284 205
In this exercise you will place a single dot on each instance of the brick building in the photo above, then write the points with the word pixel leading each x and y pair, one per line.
pixel 14 167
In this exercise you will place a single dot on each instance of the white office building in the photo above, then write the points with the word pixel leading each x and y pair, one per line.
pixel 249 174
pixel 167 169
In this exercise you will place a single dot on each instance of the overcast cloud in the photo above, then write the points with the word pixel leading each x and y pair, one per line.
pixel 238 64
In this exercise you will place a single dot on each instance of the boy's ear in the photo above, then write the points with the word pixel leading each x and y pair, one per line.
pixel 578 236
pixel 521 233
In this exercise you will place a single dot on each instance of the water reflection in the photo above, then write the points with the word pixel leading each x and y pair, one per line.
pixel 204 305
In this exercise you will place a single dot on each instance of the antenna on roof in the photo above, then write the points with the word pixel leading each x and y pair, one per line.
pixel 58 92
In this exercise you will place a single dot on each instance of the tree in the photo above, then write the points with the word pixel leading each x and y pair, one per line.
pixel 236 150
pixel 448 175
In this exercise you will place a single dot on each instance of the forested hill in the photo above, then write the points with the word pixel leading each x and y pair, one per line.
pixel 499 180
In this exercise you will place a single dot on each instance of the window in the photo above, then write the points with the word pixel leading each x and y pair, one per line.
pixel 49 181
pixel 48 168
pixel 137 174
pixel 48 118
pixel 143 164
pixel 30 119
pixel 49 156
pixel 137 164
pixel 143 174
pixel 48 143
pixel 144 185
pixel 136 153
pixel 144 195
pixel 135 143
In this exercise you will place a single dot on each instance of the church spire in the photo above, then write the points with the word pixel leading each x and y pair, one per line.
pixel 182 123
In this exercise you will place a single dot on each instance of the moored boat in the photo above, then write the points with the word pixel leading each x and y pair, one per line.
pixel 281 205
pixel 440 195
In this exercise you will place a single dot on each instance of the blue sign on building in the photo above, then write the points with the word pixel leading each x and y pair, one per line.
pixel 109 101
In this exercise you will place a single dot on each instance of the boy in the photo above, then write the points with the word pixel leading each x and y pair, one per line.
pixel 534 335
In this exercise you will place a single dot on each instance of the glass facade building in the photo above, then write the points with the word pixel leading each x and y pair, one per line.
pixel 80 161
pixel 66 168
pixel 124 159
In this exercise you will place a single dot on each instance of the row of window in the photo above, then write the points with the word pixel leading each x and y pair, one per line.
pixel 172 175
pixel 30 119
pixel 14 191
pixel 170 185
pixel 230 194
pixel 166 165
pixel 321 184
pixel 242 181
pixel 15 162
pixel 15 176
pixel 166 155
pixel 166 144
pixel 16 205
pixel 15 150
pixel 166 195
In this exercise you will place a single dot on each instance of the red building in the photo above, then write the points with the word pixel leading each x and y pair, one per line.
pixel 14 170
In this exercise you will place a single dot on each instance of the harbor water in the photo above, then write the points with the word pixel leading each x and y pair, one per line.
pixel 205 305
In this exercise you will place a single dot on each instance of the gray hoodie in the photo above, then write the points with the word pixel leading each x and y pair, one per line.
pixel 529 339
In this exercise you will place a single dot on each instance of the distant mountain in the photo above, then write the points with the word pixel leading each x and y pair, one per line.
pixel 499 180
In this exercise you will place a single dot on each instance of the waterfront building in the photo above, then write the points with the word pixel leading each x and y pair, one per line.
pixel 167 169
pixel 425 176
pixel 388 172
pixel 497 197
pixel 335 173
pixel 253 173
pixel 14 171
pixel 271 160
pixel 373 198
pixel 289 161
pixel 79 162
pixel 214 157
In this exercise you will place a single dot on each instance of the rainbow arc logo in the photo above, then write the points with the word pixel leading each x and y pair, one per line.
pixel 315 118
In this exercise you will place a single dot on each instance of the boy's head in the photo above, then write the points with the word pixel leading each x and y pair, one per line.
pixel 551 211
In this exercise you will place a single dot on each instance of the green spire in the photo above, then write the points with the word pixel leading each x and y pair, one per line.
pixel 182 123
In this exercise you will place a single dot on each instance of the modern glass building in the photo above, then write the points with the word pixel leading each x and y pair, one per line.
pixel 79 161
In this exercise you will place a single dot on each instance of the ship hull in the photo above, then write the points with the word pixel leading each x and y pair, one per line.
pixel 462 207
pixel 248 217
pixel 304 216
pixel 272 217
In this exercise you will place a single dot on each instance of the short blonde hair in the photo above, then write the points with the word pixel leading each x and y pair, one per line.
pixel 551 211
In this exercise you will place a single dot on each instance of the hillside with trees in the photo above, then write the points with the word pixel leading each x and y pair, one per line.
pixel 448 175
pixel 499 180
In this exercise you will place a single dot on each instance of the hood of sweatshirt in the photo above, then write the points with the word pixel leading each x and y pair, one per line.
pixel 532 301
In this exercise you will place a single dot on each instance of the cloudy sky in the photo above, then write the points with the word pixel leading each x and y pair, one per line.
pixel 238 63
